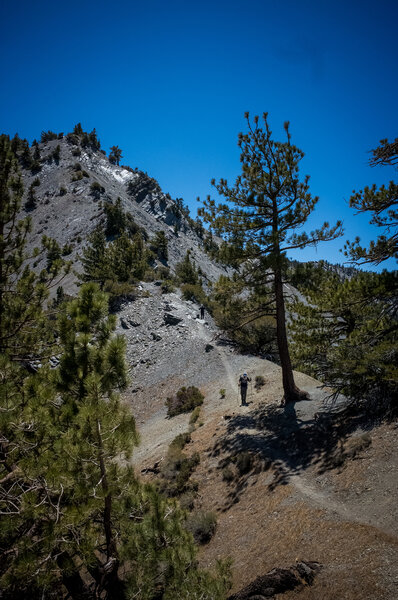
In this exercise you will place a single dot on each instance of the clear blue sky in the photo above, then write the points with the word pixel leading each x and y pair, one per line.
pixel 168 81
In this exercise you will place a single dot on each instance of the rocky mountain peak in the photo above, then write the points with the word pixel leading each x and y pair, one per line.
pixel 73 187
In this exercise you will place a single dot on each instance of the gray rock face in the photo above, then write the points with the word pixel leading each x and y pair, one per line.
pixel 68 211
pixel 168 343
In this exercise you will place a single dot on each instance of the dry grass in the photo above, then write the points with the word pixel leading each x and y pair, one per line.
pixel 267 529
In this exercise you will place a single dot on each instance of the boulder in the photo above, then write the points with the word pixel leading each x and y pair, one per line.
pixel 124 324
pixel 170 319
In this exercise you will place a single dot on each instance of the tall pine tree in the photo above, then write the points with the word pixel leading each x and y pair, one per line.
pixel 266 206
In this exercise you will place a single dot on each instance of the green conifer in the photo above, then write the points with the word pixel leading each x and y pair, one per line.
pixel 382 204
pixel 26 156
pixel 347 335
pixel 266 206
pixel 140 257
pixel 95 259
pixel 31 200
pixel 115 155
pixel 23 329
pixel 78 129
pixel 116 220
pixel 159 245
pixel 186 270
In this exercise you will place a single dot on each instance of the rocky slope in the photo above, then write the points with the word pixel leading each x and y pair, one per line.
pixel 69 210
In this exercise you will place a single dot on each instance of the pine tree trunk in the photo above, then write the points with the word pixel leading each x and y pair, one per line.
pixel 111 581
pixel 291 392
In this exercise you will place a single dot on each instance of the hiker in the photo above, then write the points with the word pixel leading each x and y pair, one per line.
pixel 202 312
pixel 243 381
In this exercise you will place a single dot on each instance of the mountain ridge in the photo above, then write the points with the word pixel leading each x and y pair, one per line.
pixel 70 201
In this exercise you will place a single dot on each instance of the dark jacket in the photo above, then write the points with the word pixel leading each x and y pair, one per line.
pixel 243 381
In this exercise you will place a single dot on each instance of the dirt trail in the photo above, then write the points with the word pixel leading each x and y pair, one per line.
pixel 158 432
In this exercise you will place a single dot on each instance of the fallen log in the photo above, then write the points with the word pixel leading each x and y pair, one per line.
pixel 279 581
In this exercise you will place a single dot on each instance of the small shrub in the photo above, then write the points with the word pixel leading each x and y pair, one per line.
pixel 176 471
pixel 96 189
pixel 222 393
pixel 357 444
pixel 119 293
pixel 259 382
pixel 194 416
pixel 167 286
pixel 73 139
pixel 67 249
pixel 187 500
pixel 228 474
pixel 62 191
pixel 149 275
pixel 350 450
pixel 76 152
pixel 194 293
pixel 185 400
pixel 181 440
pixel 35 167
pixel 47 136
pixel 163 272
pixel 244 462
pixel 202 525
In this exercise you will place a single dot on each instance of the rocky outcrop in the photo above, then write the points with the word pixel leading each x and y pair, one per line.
pixel 170 319
pixel 67 210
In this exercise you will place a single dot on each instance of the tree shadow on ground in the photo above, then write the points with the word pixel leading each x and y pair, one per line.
pixel 276 437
